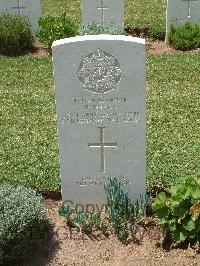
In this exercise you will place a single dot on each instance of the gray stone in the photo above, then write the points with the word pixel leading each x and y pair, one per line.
pixel 29 8
pixel 181 11
pixel 105 12
pixel 101 116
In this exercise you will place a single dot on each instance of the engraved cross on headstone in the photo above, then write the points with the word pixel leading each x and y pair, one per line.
pixel 102 8
pixel 102 145
pixel 19 7
pixel 189 7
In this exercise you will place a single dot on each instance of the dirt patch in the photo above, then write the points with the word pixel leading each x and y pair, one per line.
pixel 38 50
pixel 63 246
pixel 161 48
pixel 153 48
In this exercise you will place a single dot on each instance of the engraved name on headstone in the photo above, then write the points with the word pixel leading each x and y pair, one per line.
pixel 29 8
pixel 181 11
pixel 101 116
pixel 105 12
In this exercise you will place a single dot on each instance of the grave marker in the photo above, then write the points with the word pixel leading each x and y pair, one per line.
pixel 19 7
pixel 105 12
pixel 102 8
pixel 181 11
pixel 101 116
pixel 29 8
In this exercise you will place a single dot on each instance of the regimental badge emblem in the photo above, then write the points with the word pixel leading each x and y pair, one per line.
pixel 100 72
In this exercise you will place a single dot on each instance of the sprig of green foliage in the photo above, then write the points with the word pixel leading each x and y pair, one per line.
pixel 178 211
pixel 186 37
pixel 15 34
pixel 55 28
pixel 86 222
pixel 123 215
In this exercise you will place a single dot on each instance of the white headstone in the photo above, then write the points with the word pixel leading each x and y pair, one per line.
pixel 181 11
pixel 105 12
pixel 101 116
pixel 29 8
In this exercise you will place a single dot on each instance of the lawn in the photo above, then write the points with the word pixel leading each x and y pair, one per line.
pixel 138 13
pixel 28 141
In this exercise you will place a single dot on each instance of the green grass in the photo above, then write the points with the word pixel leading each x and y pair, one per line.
pixel 173 106
pixel 28 140
pixel 138 13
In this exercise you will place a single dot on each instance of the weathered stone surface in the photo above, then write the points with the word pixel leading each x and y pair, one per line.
pixel 101 116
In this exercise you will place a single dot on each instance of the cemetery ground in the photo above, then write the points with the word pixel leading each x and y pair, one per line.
pixel 29 152
pixel 62 246
pixel 28 138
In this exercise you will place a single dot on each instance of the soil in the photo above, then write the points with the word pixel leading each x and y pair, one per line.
pixel 62 246
pixel 153 48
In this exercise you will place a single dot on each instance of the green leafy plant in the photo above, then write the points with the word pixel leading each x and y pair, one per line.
pixel 178 211
pixel 123 215
pixel 55 28
pixel 186 37
pixel 91 29
pixel 15 34
pixel 22 222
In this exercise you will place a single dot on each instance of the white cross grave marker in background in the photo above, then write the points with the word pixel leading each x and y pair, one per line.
pixel 102 8
pixel 28 8
pixel 105 12
pixel 19 7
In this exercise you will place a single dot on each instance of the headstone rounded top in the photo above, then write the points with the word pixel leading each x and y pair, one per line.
pixel 99 37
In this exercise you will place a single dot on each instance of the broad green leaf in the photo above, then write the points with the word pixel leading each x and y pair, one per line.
pixel 172 225
pixel 160 201
pixel 180 211
pixel 162 213
pixel 180 235
pixel 172 203
pixel 189 225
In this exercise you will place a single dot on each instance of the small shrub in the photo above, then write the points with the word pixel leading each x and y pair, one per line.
pixel 179 211
pixel 156 32
pixel 95 29
pixel 55 28
pixel 86 222
pixel 121 214
pixel 22 222
pixel 15 34
pixel 186 37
